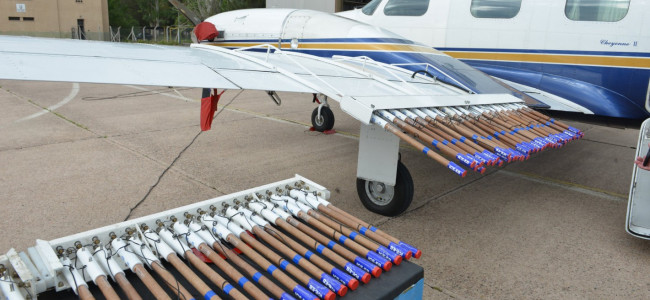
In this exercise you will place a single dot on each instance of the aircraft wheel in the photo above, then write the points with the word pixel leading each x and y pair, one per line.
pixel 385 199
pixel 323 122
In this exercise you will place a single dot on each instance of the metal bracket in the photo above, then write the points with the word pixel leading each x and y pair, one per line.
pixel 378 155
pixel 274 96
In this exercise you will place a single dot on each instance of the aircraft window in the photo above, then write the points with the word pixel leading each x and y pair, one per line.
pixel 596 10
pixel 370 8
pixel 495 9
pixel 406 7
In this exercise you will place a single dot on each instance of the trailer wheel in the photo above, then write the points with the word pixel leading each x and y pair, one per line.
pixel 385 199
pixel 323 122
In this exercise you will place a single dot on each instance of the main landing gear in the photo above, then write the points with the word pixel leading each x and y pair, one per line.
pixel 385 199
pixel 322 118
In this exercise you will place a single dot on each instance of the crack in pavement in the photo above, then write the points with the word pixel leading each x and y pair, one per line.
pixel 610 144
pixel 568 185
pixel 444 291
pixel 112 141
pixel 51 143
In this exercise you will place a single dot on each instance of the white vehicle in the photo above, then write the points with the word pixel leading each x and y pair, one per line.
pixel 589 56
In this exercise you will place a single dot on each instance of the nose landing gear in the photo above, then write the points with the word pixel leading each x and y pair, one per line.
pixel 322 118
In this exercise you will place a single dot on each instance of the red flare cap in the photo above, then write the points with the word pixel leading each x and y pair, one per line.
pixel 330 296
pixel 408 255
pixel 463 176
pixel 501 163
pixel 481 171
pixel 473 164
pixel 376 272
pixel 354 284
pixel 398 259
pixel 418 254
pixel 206 31
pixel 342 291
pixel 387 266
pixel 366 277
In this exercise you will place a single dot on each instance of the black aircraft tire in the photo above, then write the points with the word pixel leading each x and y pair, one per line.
pixel 326 122
pixel 393 200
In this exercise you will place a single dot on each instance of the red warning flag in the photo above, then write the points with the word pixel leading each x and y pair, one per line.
pixel 208 108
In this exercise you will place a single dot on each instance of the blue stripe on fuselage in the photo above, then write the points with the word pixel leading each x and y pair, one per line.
pixel 606 91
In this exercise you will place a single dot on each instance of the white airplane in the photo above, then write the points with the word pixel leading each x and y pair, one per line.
pixel 588 56
pixel 378 77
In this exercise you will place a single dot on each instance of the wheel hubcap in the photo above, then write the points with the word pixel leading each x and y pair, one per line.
pixel 319 120
pixel 379 193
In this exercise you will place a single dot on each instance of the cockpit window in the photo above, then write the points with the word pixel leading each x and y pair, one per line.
pixel 495 9
pixel 370 8
pixel 406 7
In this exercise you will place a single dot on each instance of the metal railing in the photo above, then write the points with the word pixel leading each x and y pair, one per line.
pixel 172 35
pixel 160 34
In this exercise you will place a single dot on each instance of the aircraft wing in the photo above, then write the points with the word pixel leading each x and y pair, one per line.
pixel 26 58
pixel 358 83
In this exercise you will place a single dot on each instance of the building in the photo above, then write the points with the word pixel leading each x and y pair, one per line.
pixel 329 6
pixel 80 19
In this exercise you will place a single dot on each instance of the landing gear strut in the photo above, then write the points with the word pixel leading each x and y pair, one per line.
pixel 385 199
pixel 322 118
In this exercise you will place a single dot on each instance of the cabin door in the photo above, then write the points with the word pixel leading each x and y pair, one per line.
pixel 638 207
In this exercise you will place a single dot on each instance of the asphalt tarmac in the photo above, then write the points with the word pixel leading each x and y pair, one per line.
pixel 548 228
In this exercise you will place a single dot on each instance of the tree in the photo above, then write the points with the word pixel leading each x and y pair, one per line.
pixel 207 8
pixel 121 13
pixel 156 12
pixel 151 13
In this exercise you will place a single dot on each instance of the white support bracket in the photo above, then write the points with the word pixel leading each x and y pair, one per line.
pixel 378 155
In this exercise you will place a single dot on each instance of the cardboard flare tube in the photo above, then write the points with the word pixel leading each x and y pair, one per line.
pixel 190 276
pixel 171 282
pixel 361 250
pixel 344 252
pixel 374 236
pixel 106 288
pixel 126 287
pixel 230 271
pixel 261 261
pixel 288 252
pixel 150 283
pixel 263 280
pixel 367 225
pixel 84 293
pixel 317 260
pixel 361 239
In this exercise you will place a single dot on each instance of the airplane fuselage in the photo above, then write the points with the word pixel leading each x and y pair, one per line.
pixel 595 55
pixel 328 35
